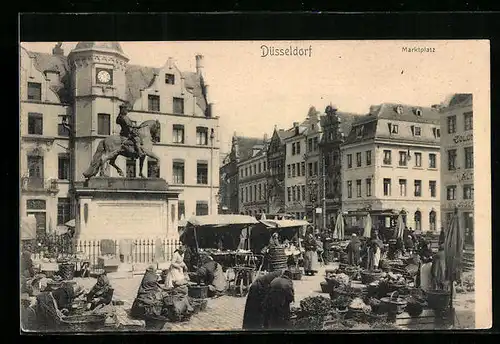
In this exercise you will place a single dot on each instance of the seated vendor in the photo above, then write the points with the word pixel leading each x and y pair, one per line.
pixel 149 293
pixel 210 273
pixel 274 240
pixel 51 306
pixel 101 294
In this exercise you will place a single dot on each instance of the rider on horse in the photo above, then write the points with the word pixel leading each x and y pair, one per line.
pixel 128 129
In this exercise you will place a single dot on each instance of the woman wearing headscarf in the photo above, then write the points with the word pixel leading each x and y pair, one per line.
pixel 253 317
pixel 311 254
pixel 148 296
pixel 52 306
pixel 210 273
pixel 101 294
pixel 375 246
pixel 175 273
pixel 279 296
pixel 353 250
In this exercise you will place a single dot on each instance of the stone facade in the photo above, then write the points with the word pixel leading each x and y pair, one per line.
pixel 390 162
pixel 53 87
pixel 457 161
pixel 253 173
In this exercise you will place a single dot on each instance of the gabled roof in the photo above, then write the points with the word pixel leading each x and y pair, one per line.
pixel 246 145
pixel 137 77
pixel 389 111
pixel 54 63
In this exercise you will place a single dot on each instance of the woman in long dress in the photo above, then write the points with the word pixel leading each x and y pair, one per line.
pixel 311 255
pixel 176 270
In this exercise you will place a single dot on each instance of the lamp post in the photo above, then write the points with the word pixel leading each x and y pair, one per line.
pixel 212 136
pixel 72 170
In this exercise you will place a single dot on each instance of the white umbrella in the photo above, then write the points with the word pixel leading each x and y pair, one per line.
pixel 263 217
pixel 71 223
pixel 368 226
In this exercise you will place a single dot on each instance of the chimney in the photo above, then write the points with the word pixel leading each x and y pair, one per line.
pixel 183 84
pixel 199 64
pixel 170 63
pixel 295 124
pixel 265 138
pixel 205 90
pixel 211 110
pixel 57 50
pixel 296 127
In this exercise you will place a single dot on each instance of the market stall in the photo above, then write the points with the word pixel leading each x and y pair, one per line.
pixel 227 239
pixel 279 254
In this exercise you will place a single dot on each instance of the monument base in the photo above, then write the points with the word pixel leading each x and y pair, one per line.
pixel 125 208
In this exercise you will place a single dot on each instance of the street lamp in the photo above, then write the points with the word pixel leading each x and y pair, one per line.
pixel 212 136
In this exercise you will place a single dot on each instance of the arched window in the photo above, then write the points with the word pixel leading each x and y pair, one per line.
pixel 432 220
pixel 418 220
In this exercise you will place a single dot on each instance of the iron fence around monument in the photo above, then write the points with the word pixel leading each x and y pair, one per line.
pixel 133 251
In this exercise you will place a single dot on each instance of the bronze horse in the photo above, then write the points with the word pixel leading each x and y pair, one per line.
pixel 112 146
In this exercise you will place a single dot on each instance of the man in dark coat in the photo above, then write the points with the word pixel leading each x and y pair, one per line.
pixel 353 250
pixel 253 317
pixel 277 302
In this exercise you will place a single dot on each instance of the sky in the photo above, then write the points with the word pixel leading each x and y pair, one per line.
pixel 253 93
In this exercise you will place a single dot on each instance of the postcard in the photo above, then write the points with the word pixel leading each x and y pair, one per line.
pixel 255 185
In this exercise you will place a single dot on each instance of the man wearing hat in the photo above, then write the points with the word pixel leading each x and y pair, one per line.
pixel 128 129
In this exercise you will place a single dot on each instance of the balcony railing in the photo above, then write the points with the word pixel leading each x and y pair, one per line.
pixel 39 184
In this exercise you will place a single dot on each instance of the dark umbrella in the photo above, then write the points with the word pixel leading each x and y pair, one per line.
pixel 453 250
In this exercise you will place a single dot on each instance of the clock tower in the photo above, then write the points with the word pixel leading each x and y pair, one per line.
pixel 99 87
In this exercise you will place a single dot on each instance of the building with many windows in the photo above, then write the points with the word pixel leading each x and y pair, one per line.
pixel 253 173
pixel 457 161
pixel 314 168
pixel 276 160
pixel 295 177
pixel 334 124
pixel 390 164
pixel 87 87
pixel 242 148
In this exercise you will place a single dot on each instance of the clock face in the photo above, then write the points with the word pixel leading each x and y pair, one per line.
pixel 104 76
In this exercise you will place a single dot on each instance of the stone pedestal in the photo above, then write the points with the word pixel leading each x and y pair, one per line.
pixel 125 208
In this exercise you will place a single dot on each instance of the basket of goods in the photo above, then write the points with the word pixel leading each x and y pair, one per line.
pixel 317 306
pixel 155 322
pixel 344 290
pixel 337 280
pixel 199 305
pixel 393 303
pixel 277 258
pixel 358 309
pixel 352 272
pixel 296 274
pixel 375 305
pixel 415 306
pixel 84 322
pixel 341 303
pixel 324 287
pixel 198 291
pixel 370 276
pixel 438 299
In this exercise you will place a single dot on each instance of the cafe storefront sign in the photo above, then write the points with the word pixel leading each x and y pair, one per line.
pixel 467 176
pixel 468 204
pixel 462 138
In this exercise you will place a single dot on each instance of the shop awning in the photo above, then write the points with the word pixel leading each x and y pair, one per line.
pixel 284 223
pixel 385 212
pixel 222 220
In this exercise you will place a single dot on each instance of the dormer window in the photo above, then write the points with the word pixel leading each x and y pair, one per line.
pixel 418 112
pixel 170 79
pixel 416 131
pixel 399 109
pixel 393 128
pixel 359 131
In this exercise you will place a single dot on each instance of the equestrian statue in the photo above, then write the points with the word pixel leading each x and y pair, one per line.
pixel 134 142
